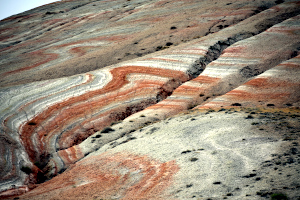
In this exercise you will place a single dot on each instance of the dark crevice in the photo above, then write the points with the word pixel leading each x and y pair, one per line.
pixel 267 23
pixel 279 1
pixel 260 9
pixel 252 71
pixel 213 53
pixel 31 123
pixel 166 90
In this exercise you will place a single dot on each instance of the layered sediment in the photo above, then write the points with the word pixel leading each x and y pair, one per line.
pixel 81 81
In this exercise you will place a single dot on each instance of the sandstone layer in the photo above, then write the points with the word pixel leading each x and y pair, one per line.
pixel 117 100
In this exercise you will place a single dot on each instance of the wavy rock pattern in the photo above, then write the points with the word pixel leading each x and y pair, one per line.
pixel 48 126
pixel 173 104
pixel 237 64
pixel 119 175
pixel 206 155
pixel 80 36
pixel 47 123
pixel 278 87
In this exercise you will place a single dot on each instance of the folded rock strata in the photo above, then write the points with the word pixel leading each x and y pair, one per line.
pixel 80 36
pixel 207 155
pixel 237 64
pixel 249 51
pixel 278 87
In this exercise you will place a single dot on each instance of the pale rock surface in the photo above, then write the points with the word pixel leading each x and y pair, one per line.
pixel 148 99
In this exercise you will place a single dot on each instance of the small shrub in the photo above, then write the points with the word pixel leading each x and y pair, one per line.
pixel 107 130
pixel 158 48
pixel 249 117
pixel 279 196
pixel 187 151
pixel 206 98
pixel 114 123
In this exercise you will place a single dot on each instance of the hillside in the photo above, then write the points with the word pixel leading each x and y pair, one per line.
pixel 141 99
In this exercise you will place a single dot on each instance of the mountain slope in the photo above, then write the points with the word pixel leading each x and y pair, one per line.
pixel 151 60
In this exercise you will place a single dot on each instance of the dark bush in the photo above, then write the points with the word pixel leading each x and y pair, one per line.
pixel 107 130
pixel 279 196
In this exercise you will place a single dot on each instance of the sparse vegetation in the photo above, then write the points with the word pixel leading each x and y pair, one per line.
pixel 249 117
pixel 114 123
pixel 107 130
pixel 279 196
pixel 193 159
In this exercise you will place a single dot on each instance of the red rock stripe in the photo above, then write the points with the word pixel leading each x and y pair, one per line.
pixel 47 57
pixel 77 106
pixel 138 90
pixel 103 178
pixel 278 86
pixel 71 155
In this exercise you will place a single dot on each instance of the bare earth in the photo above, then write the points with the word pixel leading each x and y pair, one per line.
pixel 151 99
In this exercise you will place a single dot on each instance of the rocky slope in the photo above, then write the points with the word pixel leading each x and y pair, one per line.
pixel 117 100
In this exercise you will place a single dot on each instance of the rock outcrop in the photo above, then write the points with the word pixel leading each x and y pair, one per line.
pixel 93 96
pixel 278 87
